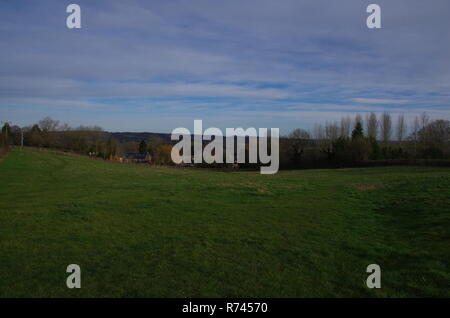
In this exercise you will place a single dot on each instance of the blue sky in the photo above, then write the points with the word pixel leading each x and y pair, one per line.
pixel 157 65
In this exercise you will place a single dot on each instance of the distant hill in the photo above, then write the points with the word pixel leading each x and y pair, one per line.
pixel 123 137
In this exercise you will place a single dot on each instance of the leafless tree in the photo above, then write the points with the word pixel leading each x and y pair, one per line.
pixel 130 146
pixel 386 127
pixel 436 133
pixel 153 143
pixel 346 123
pixel 298 140
pixel 424 120
pixel 415 133
pixel 331 131
pixel 318 132
pixel 299 134
pixel 401 128
pixel 64 127
pixel 47 124
pixel 5 134
pixel 372 125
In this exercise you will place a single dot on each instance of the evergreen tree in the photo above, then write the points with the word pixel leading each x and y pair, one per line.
pixel 6 132
pixel 358 131
pixel 143 147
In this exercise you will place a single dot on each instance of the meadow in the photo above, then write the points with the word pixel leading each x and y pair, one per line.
pixel 140 231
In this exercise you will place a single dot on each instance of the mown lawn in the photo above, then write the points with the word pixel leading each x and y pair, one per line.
pixel 159 232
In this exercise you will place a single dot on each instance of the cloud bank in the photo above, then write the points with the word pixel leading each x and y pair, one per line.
pixel 153 66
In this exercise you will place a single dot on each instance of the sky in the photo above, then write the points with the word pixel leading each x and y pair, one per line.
pixel 157 65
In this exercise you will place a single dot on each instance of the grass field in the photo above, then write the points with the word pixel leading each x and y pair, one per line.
pixel 159 232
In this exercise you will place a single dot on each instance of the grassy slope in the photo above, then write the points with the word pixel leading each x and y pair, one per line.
pixel 156 232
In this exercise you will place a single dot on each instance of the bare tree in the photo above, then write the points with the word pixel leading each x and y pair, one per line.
pixel 415 133
pixel 48 124
pixel 130 146
pixel 346 123
pixel 318 132
pixel 359 119
pixel 372 125
pixel 298 140
pixel 6 132
pixel 386 127
pixel 64 127
pixel 401 128
pixel 331 131
pixel 436 133
pixel 299 134
pixel 415 129
pixel 424 120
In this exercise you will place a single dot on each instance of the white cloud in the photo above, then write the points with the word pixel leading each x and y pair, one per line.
pixel 380 101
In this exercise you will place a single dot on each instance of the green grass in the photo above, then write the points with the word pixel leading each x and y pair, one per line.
pixel 158 232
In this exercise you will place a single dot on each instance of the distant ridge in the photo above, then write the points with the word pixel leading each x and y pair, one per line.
pixel 123 137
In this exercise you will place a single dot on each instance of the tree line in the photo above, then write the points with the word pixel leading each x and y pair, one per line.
pixel 347 142
pixel 87 140
pixel 371 138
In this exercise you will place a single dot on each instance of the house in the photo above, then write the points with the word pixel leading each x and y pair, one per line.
pixel 132 157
